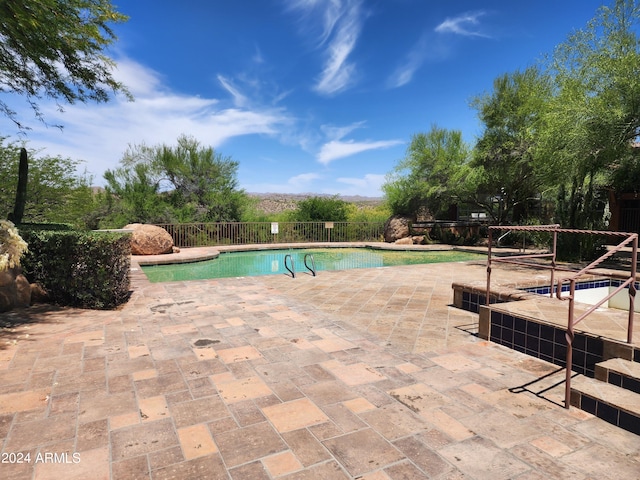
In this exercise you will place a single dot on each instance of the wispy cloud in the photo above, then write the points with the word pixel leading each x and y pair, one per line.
pixel 341 24
pixel 465 24
pixel 239 99
pixel 100 134
pixel 412 62
pixel 337 148
pixel 303 180
pixel 371 183
pixel 430 46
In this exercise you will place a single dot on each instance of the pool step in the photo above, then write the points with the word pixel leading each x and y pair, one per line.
pixel 619 372
pixel 611 403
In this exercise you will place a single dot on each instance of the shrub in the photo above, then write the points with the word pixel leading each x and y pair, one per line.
pixel 80 269
pixel 321 209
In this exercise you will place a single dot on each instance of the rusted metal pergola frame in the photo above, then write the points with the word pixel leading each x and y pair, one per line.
pixel 571 321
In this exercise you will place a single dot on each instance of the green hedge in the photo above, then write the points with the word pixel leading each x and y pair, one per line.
pixel 79 269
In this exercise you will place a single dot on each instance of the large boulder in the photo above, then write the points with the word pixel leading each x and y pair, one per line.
pixel 404 241
pixel 15 290
pixel 149 240
pixel 396 227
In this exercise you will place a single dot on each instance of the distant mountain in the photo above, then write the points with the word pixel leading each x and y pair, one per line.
pixel 280 202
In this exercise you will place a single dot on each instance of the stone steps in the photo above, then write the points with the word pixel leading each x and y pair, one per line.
pixel 620 372
pixel 613 395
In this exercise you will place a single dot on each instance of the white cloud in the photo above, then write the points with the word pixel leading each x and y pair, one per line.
pixel 303 180
pixel 100 133
pixel 337 133
pixel 369 185
pixel 462 25
pixel 341 25
pixel 239 99
pixel 338 149
pixel 412 62
pixel 302 183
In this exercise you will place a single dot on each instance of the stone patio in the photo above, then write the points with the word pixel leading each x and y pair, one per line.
pixel 366 374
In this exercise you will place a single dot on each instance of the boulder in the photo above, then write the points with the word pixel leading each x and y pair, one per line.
pixel 396 227
pixel 38 294
pixel 23 291
pixel 14 290
pixel 404 241
pixel 149 240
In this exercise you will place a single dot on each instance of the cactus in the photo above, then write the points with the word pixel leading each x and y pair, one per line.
pixel 21 191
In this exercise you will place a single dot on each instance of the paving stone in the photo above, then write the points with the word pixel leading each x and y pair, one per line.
pixel 196 441
pixel 201 410
pixel 364 373
pixel 143 438
pixel 245 444
pixel 26 435
pixel 482 459
pixel 204 468
pixel 294 415
pixel 135 468
pixel 363 451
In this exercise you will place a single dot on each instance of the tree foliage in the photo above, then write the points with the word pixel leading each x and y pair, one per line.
pixel 183 183
pixel 55 49
pixel 594 118
pixel 505 180
pixel 56 192
pixel 321 209
pixel 425 177
pixel 566 131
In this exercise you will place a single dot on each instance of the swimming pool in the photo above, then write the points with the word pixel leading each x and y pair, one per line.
pixel 592 292
pixel 265 262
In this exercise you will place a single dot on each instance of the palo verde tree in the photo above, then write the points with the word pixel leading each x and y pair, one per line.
pixel 186 182
pixel 425 177
pixel 56 49
pixel 594 118
pixel 502 178
pixel 321 209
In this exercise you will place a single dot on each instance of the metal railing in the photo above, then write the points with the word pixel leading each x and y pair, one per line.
pixel 571 320
pixel 247 233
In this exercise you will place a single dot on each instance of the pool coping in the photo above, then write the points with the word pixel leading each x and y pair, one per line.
pixel 198 254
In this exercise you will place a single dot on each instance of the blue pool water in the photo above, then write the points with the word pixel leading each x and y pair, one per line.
pixel 265 262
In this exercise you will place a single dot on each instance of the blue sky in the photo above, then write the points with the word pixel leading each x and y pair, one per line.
pixel 309 96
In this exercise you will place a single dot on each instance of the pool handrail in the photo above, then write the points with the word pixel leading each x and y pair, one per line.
pixel 292 270
pixel 312 269
pixel 571 321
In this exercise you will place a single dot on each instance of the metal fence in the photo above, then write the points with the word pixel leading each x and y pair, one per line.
pixel 245 233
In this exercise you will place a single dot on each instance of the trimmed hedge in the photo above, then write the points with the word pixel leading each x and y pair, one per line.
pixel 79 269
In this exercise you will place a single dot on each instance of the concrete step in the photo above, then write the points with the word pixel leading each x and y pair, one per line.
pixel 619 372
pixel 609 402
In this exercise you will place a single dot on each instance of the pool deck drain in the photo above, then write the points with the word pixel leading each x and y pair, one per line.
pixel 305 382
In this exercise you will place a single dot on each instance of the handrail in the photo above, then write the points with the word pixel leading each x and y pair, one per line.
pixel 292 270
pixel 571 321
pixel 312 269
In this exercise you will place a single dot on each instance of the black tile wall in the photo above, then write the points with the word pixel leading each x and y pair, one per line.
pixel 546 342
pixel 629 422
pixel 610 414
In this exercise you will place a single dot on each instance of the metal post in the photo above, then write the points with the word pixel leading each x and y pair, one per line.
pixel 569 337
pixel 490 239
pixel 632 288
pixel 553 262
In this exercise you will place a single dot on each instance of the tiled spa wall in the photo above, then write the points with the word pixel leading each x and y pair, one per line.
pixel 546 342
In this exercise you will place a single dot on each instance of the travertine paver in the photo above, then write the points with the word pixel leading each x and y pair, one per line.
pixel 356 374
